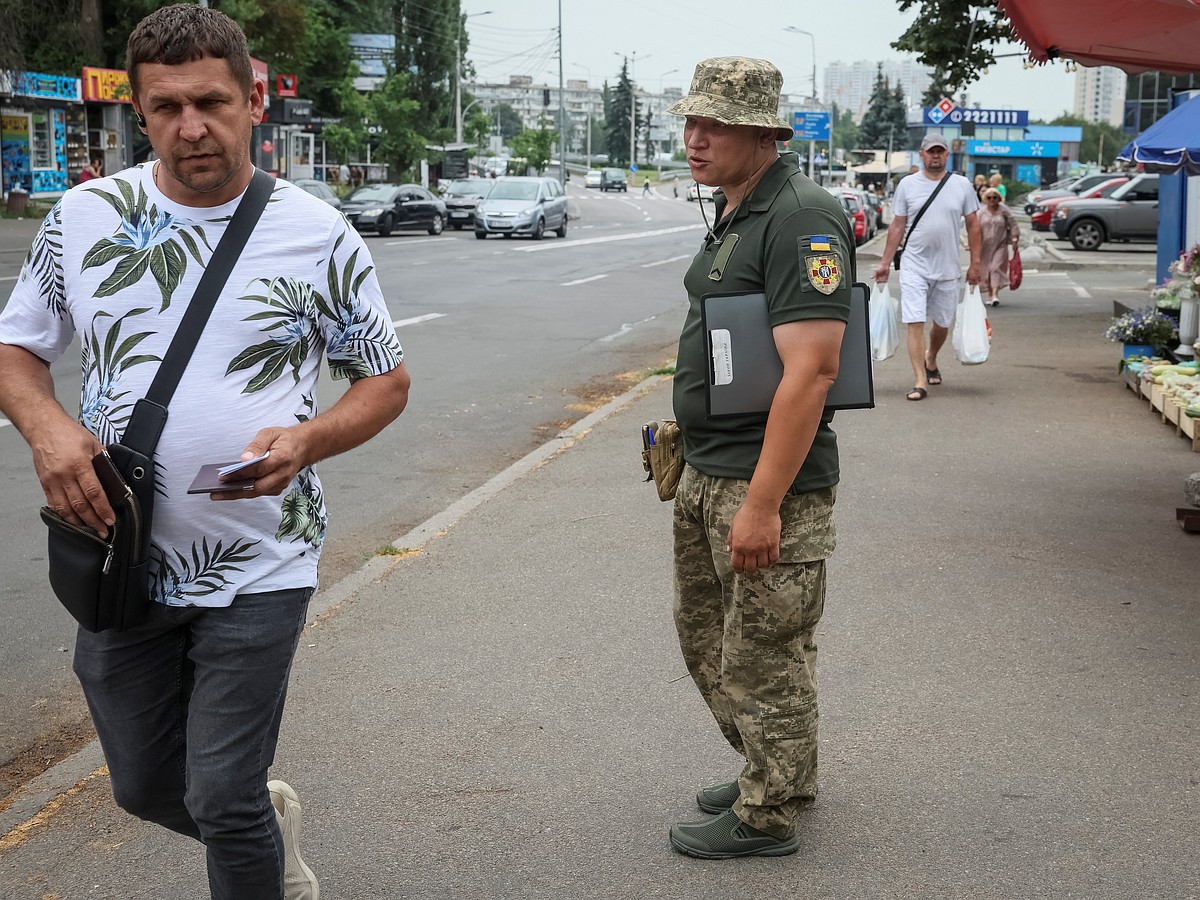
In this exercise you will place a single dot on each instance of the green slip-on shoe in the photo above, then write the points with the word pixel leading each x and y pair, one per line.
pixel 718 797
pixel 728 837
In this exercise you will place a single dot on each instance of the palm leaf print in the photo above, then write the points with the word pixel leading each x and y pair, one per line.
pixel 363 342
pixel 145 240
pixel 44 262
pixel 200 575
pixel 289 316
pixel 303 516
pixel 103 409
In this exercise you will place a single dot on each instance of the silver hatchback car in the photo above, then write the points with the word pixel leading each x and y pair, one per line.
pixel 522 205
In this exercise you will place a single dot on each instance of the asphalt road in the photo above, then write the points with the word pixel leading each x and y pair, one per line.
pixel 506 341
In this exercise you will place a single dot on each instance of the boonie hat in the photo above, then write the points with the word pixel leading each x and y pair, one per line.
pixel 736 90
pixel 934 139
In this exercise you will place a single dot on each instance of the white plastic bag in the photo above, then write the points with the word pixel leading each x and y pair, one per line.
pixel 971 341
pixel 885 322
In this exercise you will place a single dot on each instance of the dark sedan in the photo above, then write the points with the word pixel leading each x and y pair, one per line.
pixel 385 208
pixel 462 197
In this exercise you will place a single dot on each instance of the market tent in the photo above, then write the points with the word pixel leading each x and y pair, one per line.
pixel 1170 143
pixel 1134 35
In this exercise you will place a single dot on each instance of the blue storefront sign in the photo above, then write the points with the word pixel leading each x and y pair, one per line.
pixel 1026 149
pixel 811 126
pixel 46 87
pixel 947 114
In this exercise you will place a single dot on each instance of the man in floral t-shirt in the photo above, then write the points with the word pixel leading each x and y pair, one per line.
pixel 188 704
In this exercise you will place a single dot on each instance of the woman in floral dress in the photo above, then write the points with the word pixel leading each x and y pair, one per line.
pixel 1000 232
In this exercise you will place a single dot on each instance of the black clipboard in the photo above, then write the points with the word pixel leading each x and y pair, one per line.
pixel 744 368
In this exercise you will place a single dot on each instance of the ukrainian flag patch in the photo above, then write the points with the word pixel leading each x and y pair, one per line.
pixel 819 242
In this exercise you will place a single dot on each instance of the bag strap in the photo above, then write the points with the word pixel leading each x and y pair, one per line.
pixel 921 211
pixel 150 413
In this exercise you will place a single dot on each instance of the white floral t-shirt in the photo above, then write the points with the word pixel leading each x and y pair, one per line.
pixel 116 262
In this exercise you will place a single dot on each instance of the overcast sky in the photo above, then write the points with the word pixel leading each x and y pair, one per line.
pixel 518 37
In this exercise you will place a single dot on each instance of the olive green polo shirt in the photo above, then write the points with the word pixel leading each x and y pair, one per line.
pixel 791 235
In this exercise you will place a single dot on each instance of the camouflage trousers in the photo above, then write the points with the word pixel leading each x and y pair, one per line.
pixel 749 640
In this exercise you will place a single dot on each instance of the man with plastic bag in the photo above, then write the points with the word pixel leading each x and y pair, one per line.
pixel 934 200
pixel 753 516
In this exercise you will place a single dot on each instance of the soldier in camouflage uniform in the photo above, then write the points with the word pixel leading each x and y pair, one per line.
pixel 753 518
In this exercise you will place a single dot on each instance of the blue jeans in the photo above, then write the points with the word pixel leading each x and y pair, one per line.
pixel 187 706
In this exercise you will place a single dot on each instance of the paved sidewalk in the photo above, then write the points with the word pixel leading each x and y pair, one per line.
pixel 1009 673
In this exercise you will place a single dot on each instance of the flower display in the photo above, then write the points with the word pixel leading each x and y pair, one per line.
pixel 1183 284
pixel 1142 326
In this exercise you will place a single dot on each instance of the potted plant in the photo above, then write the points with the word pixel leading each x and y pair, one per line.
pixel 1142 331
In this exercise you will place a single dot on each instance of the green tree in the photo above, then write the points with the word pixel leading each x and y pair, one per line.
pixel 534 144
pixel 390 107
pixel 617 105
pixel 956 38
pixel 510 123
pixel 1101 141
pixel 845 129
pixel 885 115
pixel 427 32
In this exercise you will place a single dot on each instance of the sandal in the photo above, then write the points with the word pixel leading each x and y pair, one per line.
pixel 933 376
pixel 917 393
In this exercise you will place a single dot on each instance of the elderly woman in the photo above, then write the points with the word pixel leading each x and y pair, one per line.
pixel 1000 232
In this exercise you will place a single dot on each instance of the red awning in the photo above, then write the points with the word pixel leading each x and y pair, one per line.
pixel 1134 35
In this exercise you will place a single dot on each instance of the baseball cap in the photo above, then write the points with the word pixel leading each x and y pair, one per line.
pixel 934 139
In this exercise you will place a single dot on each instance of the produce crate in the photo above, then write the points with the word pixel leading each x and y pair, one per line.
pixel 1170 411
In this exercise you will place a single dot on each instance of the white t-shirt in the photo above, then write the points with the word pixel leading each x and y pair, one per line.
pixel 117 262
pixel 932 247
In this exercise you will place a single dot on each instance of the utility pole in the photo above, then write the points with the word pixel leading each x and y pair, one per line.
pixel 562 111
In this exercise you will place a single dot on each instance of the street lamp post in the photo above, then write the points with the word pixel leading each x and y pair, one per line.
pixel 662 100
pixel 458 110
pixel 589 112
pixel 812 144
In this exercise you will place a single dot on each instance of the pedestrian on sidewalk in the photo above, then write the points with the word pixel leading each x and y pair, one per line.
pixel 753 517
pixel 646 188
pixel 999 232
pixel 187 704
pixel 929 268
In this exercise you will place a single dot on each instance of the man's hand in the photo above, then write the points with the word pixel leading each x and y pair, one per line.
pixel 754 538
pixel 882 271
pixel 973 274
pixel 62 456
pixel 287 456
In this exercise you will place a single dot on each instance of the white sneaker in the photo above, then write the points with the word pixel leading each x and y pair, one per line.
pixel 299 882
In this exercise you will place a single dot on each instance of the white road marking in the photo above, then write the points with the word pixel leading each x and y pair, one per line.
pixel 10 278
pixel 417 320
pixel 625 329
pixel 428 240
pixel 663 262
pixel 582 281
pixel 1081 291
pixel 632 236
pixel 4 422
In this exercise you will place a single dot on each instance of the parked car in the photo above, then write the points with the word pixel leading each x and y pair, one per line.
pixel 700 192
pixel 613 180
pixel 592 179
pixel 876 202
pixel 1075 188
pixel 461 198
pixel 320 190
pixel 387 207
pixel 856 212
pixel 1130 213
pixel 1043 213
pixel 522 205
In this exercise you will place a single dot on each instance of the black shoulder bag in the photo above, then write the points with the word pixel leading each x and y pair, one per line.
pixel 104 582
pixel 920 212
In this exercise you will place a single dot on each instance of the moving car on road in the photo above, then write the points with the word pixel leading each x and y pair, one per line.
pixel 522 205
pixel 387 207
pixel 700 192
pixel 461 198
pixel 613 180
pixel 592 179
pixel 1130 214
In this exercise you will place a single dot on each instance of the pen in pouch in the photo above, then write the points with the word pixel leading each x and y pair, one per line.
pixel 650 435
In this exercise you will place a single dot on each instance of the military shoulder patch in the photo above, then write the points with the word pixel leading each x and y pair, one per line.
pixel 824 273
